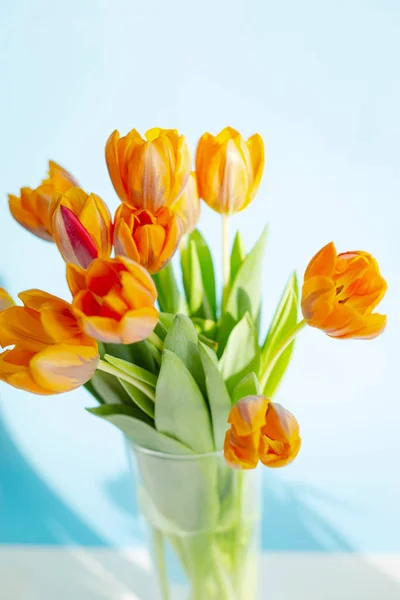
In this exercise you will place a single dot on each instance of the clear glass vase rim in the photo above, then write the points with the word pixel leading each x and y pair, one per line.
pixel 170 456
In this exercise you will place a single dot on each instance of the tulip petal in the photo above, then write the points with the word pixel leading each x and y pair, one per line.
pixel 134 293
pixel 124 244
pixel 61 367
pixel 137 324
pixel 140 274
pixel 23 380
pixel 73 240
pixel 240 455
pixel 255 146
pixel 318 299
pixel 76 278
pixel 36 299
pixel 248 414
pixel 103 329
pixel 149 177
pixel 323 263
pixel 5 300
pixel 19 325
pixel 27 219
pixel 96 219
pixel 343 322
pixel 113 165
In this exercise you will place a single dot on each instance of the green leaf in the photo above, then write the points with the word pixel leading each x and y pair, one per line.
pixel 137 431
pixel 248 386
pixel 245 293
pixel 169 296
pixel 237 256
pixel 89 386
pixel 198 277
pixel 242 353
pixel 166 319
pixel 182 340
pixel 191 274
pixel 139 398
pixel 131 369
pixel 207 270
pixel 138 353
pixel 109 389
pixel 206 327
pixel 218 397
pixel 284 321
pixel 181 410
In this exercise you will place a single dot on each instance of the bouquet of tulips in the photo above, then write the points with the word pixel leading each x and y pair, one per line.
pixel 181 369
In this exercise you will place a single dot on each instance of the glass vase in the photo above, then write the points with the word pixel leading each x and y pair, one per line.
pixel 204 521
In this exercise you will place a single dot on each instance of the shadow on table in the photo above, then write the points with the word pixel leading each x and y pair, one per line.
pixel 69 559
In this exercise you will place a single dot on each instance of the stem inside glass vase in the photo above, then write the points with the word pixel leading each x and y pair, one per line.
pixel 204 518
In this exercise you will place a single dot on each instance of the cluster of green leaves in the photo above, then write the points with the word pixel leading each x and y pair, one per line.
pixel 177 400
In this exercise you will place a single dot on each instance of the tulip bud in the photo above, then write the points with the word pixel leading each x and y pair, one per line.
pixel 150 240
pixel 229 170
pixel 148 173
pixel 33 209
pixel 82 227
pixel 340 291
pixel 261 430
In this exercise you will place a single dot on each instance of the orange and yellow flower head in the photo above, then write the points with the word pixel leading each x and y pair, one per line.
pixel 261 430
pixel 149 172
pixel 82 227
pixel 149 239
pixel 114 300
pixel 229 169
pixel 340 292
pixel 50 354
pixel 187 207
pixel 33 209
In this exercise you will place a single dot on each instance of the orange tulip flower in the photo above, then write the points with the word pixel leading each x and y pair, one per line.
pixel 187 207
pixel 33 209
pixel 261 430
pixel 114 300
pixel 50 354
pixel 340 291
pixel 148 173
pixel 229 169
pixel 82 227
pixel 150 240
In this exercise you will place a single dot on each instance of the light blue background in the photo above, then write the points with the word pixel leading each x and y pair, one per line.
pixel 320 82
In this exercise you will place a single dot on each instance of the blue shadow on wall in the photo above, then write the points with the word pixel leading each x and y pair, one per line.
pixel 31 513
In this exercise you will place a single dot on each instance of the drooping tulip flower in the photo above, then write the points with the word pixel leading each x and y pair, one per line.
pixel 150 240
pixel 114 300
pixel 148 173
pixel 33 209
pixel 229 169
pixel 261 430
pixel 50 353
pixel 82 227
pixel 187 207
pixel 340 292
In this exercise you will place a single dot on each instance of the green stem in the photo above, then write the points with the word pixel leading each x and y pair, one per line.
pixel 279 350
pixel 225 256
pixel 140 385
pixel 155 340
pixel 159 554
